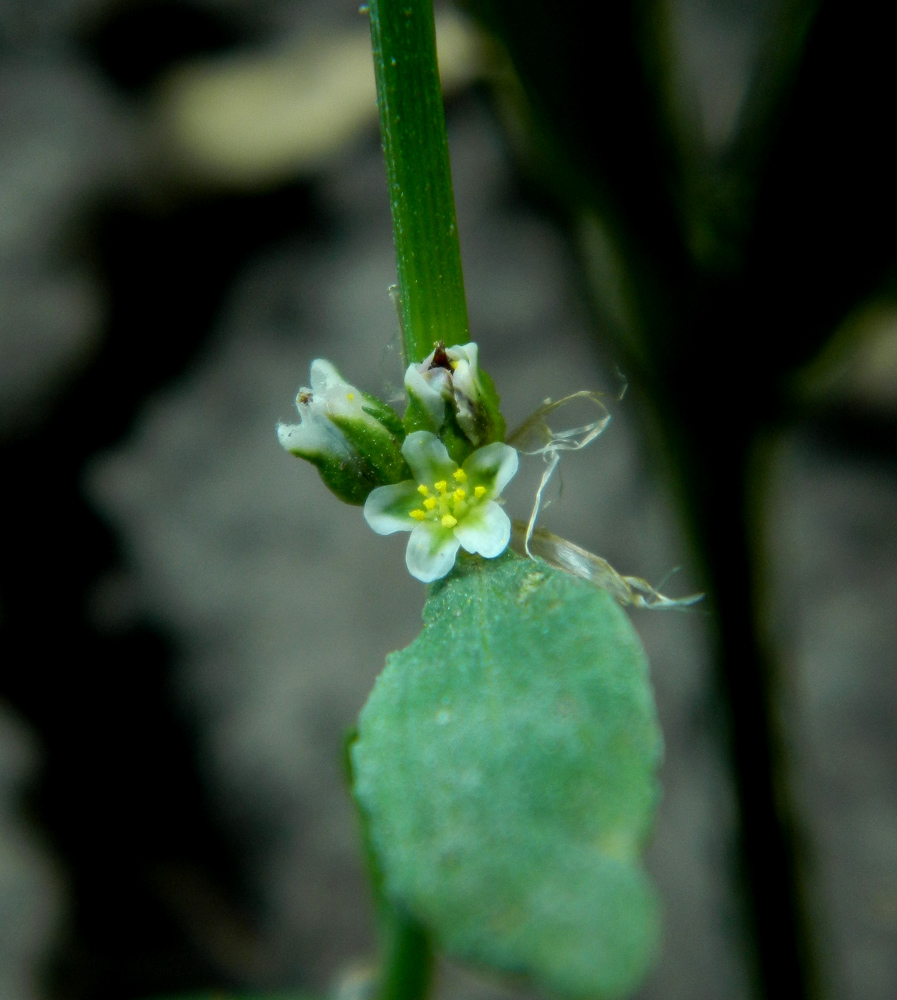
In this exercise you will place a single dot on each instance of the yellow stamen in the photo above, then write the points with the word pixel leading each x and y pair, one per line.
pixel 442 486
pixel 350 396
pixel 460 476
pixel 480 492
pixel 423 490
pixel 459 495
pixel 430 503
pixel 448 521
pixel 418 515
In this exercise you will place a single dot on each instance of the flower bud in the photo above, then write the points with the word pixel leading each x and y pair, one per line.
pixel 353 438
pixel 449 396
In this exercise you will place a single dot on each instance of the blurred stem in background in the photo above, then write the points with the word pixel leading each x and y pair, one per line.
pixel 405 952
pixel 406 957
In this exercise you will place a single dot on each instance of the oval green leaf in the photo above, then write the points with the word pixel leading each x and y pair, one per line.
pixel 506 766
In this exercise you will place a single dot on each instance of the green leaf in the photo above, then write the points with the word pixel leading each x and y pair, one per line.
pixel 506 765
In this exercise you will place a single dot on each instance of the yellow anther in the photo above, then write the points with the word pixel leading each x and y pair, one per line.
pixel 418 515
pixel 460 476
pixel 459 495
pixel 442 486
pixel 448 521
pixel 423 490
pixel 430 503
pixel 350 396
pixel 480 492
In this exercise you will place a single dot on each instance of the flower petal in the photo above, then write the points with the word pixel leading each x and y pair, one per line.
pixel 486 530
pixel 428 393
pixel 431 551
pixel 465 373
pixel 388 508
pixel 325 378
pixel 314 437
pixel 427 456
pixel 493 467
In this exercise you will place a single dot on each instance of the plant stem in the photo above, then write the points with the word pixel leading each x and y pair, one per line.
pixel 405 951
pixel 433 308
pixel 406 957
pixel 412 120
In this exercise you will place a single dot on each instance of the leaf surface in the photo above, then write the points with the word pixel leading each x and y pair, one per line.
pixel 506 766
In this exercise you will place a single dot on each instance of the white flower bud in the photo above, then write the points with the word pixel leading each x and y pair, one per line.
pixel 353 438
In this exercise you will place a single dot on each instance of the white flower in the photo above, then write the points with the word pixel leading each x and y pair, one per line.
pixel 352 437
pixel 448 375
pixel 445 507
pixel 316 435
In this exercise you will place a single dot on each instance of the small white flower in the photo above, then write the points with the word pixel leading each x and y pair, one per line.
pixel 445 507
pixel 352 437
pixel 448 375
pixel 330 400
pixel 315 435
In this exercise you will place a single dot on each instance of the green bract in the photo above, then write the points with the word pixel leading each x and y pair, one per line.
pixel 353 438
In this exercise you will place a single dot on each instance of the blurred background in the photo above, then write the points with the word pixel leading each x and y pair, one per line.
pixel 694 197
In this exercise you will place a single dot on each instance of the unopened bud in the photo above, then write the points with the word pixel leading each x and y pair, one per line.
pixel 353 438
pixel 448 395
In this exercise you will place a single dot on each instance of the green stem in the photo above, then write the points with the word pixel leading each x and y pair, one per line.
pixel 433 308
pixel 406 957
pixel 412 120
pixel 406 953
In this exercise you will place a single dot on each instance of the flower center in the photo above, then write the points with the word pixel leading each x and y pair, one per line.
pixel 447 505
